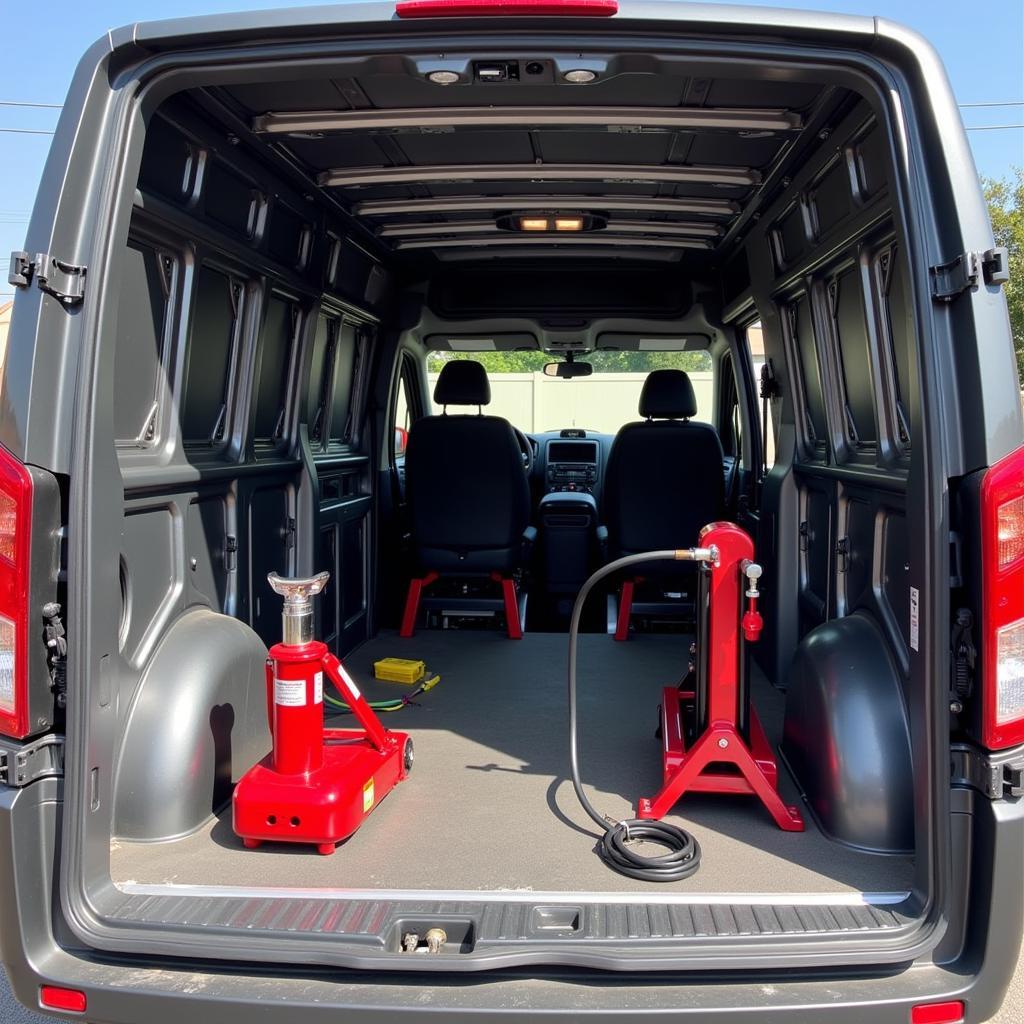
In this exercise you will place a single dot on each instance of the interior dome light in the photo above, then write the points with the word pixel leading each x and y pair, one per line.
pixel 580 76
pixel 568 223
pixel 534 224
pixel 443 77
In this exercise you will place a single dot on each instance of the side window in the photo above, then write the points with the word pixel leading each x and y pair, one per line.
pixel 406 408
pixel 767 411
pixel 730 427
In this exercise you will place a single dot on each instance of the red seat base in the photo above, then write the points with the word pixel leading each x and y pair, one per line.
pixel 419 583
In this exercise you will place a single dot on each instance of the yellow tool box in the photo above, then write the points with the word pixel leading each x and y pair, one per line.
pixel 399 670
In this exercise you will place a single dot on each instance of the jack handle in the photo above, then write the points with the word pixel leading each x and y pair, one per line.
pixel 752 621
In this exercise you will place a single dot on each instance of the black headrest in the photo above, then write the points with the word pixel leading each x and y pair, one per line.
pixel 462 382
pixel 668 394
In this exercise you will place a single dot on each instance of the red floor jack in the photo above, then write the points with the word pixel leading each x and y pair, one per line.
pixel 729 752
pixel 317 785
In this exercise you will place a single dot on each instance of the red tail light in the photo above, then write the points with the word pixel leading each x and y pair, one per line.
pixel 937 1013
pixel 1002 574
pixel 70 1000
pixel 15 553
pixel 500 8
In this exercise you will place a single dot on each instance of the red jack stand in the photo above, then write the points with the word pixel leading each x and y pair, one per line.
pixel 318 785
pixel 419 583
pixel 721 760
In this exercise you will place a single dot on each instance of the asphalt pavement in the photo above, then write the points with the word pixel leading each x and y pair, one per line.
pixel 1012 1012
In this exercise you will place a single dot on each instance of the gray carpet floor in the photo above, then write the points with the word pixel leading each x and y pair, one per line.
pixel 490 805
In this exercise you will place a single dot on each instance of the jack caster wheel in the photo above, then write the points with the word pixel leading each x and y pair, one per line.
pixel 251 844
pixel 325 849
pixel 408 756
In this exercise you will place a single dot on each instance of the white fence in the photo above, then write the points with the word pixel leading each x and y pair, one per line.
pixel 601 402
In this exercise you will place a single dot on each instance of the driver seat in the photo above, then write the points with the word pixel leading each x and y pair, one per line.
pixel 468 495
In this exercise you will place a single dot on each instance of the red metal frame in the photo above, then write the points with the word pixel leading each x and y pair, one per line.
pixel 419 583
pixel 625 608
pixel 317 785
pixel 412 602
pixel 721 760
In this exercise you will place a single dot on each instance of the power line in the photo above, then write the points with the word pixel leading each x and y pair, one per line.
pixel 34 106
pixel 1000 103
pixel 993 127
pixel 25 131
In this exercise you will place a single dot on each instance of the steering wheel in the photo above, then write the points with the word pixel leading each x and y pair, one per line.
pixel 527 448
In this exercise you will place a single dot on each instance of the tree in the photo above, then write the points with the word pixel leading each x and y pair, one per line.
pixel 603 362
pixel 1006 209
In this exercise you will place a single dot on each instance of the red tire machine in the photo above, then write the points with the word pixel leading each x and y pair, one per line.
pixel 317 785
pixel 713 741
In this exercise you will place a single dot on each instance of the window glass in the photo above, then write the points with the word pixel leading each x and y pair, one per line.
pixel 602 402
pixel 755 349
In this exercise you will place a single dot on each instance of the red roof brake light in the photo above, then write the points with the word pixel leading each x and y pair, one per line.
pixel 506 8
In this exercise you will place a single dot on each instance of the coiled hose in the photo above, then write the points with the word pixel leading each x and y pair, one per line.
pixel 683 856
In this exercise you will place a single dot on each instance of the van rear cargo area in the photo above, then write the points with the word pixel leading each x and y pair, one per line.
pixel 489 805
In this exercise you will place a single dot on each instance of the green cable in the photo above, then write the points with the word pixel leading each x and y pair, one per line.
pixel 386 705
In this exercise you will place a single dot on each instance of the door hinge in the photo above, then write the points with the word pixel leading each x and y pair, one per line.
pixel 289 532
pixel 997 775
pixel 39 759
pixel 64 281
pixel 952 279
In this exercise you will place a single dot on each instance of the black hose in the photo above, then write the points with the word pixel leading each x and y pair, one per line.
pixel 683 856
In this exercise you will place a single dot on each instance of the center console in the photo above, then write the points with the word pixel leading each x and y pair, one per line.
pixel 572 465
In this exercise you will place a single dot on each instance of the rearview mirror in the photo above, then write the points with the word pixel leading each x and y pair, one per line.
pixel 568 369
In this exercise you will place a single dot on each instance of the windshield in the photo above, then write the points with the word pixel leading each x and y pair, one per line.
pixel 602 402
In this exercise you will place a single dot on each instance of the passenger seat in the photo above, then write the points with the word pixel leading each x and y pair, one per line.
pixel 469 496
pixel 664 479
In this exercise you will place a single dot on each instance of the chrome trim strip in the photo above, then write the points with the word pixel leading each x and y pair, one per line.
pixel 489 204
pixel 610 119
pixel 805 899
pixel 508 239
pixel 487 227
pixel 349 177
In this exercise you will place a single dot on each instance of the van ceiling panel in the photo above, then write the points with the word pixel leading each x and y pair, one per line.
pixel 638 133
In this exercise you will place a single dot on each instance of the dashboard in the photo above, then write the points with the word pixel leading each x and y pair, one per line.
pixel 570 460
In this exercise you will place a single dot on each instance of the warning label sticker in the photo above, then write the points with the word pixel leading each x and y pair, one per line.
pixel 318 688
pixel 290 693
pixel 349 682
pixel 367 796
pixel 915 618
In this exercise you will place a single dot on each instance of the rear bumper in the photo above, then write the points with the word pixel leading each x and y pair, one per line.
pixel 31 935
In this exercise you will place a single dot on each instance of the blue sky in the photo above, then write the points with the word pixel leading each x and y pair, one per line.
pixel 983 52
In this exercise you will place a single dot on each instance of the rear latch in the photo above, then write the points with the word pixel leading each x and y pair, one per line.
pixel 952 279
pixel 64 281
